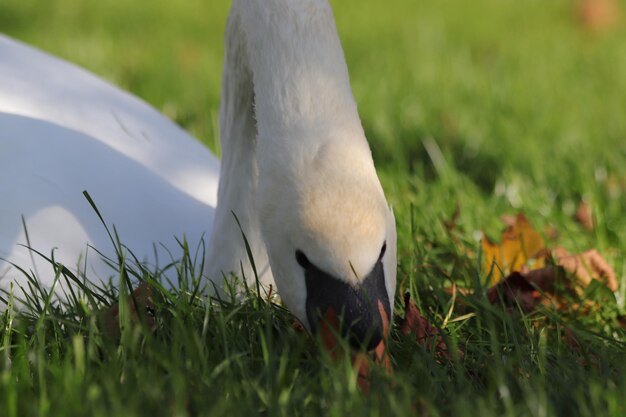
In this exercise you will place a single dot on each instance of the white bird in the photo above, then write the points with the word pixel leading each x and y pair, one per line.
pixel 296 171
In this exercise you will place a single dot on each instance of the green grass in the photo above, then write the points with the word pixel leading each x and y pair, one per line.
pixel 494 106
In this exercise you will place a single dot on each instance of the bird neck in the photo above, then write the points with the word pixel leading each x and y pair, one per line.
pixel 285 90
pixel 300 77
pixel 235 214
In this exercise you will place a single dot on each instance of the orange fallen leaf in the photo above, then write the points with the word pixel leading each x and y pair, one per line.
pixel 519 271
pixel 531 288
pixel 521 248
pixel 587 266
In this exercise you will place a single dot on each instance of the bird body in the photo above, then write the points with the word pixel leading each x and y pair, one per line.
pixel 62 131
pixel 296 178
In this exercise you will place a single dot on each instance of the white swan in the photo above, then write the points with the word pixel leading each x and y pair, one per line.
pixel 296 169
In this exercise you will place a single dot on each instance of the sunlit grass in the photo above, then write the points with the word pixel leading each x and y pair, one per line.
pixel 494 106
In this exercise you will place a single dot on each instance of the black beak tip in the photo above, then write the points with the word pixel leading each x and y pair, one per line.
pixel 365 335
pixel 360 309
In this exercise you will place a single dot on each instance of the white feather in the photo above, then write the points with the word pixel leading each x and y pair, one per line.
pixel 62 131
pixel 297 171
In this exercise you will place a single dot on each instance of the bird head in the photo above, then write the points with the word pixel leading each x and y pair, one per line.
pixel 331 238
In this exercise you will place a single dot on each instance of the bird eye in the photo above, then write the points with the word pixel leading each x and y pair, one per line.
pixel 382 251
pixel 302 260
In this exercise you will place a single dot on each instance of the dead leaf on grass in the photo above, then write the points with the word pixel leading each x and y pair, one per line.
pixel 144 298
pixel 536 286
pixel 526 274
pixel 587 266
pixel 521 248
pixel 584 216
pixel 425 333
pixel 598 15
pixel 525 290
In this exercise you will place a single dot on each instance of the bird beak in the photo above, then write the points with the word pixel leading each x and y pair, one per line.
pixel 359 313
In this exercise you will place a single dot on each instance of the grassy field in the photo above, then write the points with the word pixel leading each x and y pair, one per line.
pixel 492 107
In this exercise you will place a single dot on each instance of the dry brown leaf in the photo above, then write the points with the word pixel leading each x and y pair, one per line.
pixel 585 359
pixel 509 220
pixel 522 278
pixel 536 286
pixel 524 290
pixel 587 266
pixel 551 232
pixel 522 248
pixel 451 224
pixel 298 326
pixel 425 333
pixel 598 15
pixel 144 298
pixel 584 216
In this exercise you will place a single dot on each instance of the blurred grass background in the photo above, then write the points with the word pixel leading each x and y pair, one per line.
pixel 492 106
pixel 523 99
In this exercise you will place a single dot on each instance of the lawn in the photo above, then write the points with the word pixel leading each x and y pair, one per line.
pixel 483 109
